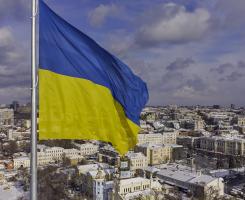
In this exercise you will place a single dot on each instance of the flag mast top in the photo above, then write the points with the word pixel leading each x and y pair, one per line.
pixel 33 191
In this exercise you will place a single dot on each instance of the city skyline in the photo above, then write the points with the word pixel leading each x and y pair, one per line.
pixel 188 52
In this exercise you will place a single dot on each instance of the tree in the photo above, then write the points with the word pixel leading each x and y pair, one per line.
pixel 66 161
pixel 52 185
pixel 232 162
pixel 26 147
pixel 212 194
pixel 83 162
pixel 23 177
pixel 11 147
pixel 219 163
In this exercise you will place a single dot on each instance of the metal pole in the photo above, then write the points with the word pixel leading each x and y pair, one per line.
pixel 33 192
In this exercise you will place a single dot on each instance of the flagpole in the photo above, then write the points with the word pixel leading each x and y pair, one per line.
pixel 33 191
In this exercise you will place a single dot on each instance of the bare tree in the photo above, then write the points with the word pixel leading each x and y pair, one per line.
pixel 52 185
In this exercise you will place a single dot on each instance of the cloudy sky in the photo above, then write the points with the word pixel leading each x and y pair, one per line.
pixel 188 51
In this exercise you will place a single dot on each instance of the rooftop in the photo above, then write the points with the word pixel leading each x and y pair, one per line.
pixel 184 174
pixel 133 180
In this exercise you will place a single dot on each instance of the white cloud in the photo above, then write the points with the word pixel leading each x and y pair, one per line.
pixel 175 25
pixel 98 16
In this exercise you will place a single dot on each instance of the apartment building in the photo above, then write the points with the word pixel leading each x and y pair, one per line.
pixel 137 160
pixel 158 138
pixel 87 148
pixel 46 155
pixel 155 154
pixel 223 145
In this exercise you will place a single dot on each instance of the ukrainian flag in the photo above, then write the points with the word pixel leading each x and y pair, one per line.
pixel 84 91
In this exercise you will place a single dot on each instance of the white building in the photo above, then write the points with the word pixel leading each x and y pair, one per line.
pixel 101 187
pixel 83 169
pixel 137 160
pixel 96 180
pixel 223 145
pixel 87 148
pixel 132 188
pixel 20 134
pixel 144 125
pixel 23 161
pixel 46 155
pixel 158 138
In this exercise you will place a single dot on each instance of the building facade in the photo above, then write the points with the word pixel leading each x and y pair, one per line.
pixel 87 149
pixel 23 161
pixel 137 161
pixel 155 154
pixel 223 145
pixel 158 138
pixel 6 117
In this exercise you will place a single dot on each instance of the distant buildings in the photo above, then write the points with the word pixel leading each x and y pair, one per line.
pixel 201 137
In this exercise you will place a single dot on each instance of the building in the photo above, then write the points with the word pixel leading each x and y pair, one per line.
pixel 132 188
pixel 152 138
pixel 23 161
pixel 99 188
pixel 177 152
pixel 240 120
pixel 6 117
pixel 158 138
pixel 169 137
pixel 19 134
pixel 46 155
pixel 188 141
pixel 223 145
pixel 125 170
pixel 87 149
pixel 155 154
pixel 144 125
pixel 200 185
pixel 198 125
pixel 107 154
pixel 96 180
pixel 15 105
pixel 137 160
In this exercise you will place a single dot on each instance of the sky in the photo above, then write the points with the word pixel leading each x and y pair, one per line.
pixel 189 52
